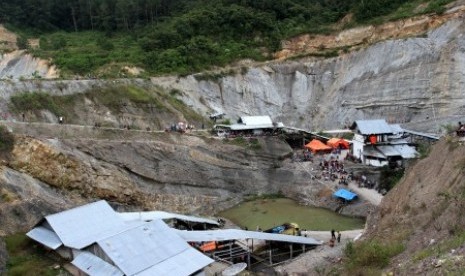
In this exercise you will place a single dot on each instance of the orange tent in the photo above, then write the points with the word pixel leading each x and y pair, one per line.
pixel 338 142
pixel 317 146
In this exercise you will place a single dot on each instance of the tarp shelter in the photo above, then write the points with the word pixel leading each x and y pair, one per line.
pixel 317 146
pixel 338 143
pixel 344 194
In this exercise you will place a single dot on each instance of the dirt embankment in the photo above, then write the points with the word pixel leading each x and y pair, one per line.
pixel 425 212
pixel 356 38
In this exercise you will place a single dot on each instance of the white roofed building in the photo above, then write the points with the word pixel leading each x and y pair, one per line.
pixel 255 125
pixel 378 143
pixel 100 241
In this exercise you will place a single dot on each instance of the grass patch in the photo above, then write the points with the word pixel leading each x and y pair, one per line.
pixel 249 143
pixel 35 101
pixel 424 149
pixel 114 97
pixel 28 258
pixel 370 254
pixel 215 77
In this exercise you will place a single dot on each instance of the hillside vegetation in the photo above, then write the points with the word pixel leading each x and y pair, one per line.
pixel 182 36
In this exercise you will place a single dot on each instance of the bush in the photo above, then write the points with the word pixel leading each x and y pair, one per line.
pixel 371 254
pixel 390 177
pixel 35 101
pixel 7 140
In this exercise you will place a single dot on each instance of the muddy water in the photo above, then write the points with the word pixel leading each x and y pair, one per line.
pixel 267 213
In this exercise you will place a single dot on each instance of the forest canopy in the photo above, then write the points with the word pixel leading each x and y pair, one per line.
pixel 182 36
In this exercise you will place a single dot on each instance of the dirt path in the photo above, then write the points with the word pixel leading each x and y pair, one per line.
pixel 317 261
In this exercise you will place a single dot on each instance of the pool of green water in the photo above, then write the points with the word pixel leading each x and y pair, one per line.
pixel 268 213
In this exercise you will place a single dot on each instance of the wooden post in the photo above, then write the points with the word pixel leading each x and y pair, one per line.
pixel 291 250
pixel 303 248
pixel 271 257
pixel 248 259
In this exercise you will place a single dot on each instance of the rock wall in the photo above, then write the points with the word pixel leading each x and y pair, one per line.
pixel 415 80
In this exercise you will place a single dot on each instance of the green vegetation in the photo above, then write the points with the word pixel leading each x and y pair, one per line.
pixel 7 141
pixel 370 255
pixel 390 177
pixel 98 37
pixel 117 98
pixel 250 143
pixel 424 149
pixel 27 258
pixel 36 101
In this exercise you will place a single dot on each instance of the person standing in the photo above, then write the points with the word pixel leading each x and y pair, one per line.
pixel 338 236
pixel 333 234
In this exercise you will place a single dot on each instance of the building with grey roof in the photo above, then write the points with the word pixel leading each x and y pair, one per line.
pixel 253 124
pixel 378 143
pixel 100 241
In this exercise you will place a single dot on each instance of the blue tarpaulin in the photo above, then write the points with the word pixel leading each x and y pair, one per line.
pixel 343 193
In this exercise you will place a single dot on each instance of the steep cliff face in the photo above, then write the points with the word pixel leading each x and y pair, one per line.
pixel 415 80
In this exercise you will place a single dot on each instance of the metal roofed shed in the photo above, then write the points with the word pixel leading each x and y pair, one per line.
pixel 83 225
pixel 236 234
pixel 256 121
pixel 94 266
pixel 367 127
pixel 407 151
pixel 185 263
pixel 345 194
pixel 369 151
pixel 389 150
pixel 45 237
pixel 151 249
pixel 154 215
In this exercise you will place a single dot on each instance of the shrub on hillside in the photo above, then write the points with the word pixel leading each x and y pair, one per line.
pixel 371 254
pixel 24 102
pixel 7 141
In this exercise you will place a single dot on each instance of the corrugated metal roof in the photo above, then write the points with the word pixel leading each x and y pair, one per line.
pixel 185 263
pixel 396 128
pixel 367 127
pixel 407 151
pixel 256 120
pixel 369 151
pixel 153 215
pixel 44 236
pixel 94 266
pixel 427 135
pixel 389 150
pixel 245 127
pixel 84 225
pixel 235 234
pixel 140 248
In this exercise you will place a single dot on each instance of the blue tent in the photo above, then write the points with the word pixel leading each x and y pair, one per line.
pixel 344 194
